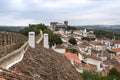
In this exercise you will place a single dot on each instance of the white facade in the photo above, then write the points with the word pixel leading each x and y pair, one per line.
pixel 99 48
pixel 95 62
pixel 45 41
pixel 32 39
pixel 117 45
pixel 85 33
pixel 62 51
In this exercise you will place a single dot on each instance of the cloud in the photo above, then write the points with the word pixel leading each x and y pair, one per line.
pixel 8 20
pixel 23 12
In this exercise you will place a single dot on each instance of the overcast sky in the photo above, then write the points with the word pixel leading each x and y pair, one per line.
pixel 77 12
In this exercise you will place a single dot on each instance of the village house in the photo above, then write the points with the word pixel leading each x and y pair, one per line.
pixel 85 47
pixel 72 57
pixel 117 58
pixel 117 44
pixel 98 46
pixel 116 50
pixel 94 61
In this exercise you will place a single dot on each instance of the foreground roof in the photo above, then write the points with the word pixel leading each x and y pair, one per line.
pixel 45 64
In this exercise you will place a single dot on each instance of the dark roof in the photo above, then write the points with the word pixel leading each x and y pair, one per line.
pixel 13 75
pixel 45 64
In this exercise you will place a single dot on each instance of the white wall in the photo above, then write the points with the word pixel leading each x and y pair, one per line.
pixel 62 51
pixel 117 45
pixel 99 48
pixel 94 62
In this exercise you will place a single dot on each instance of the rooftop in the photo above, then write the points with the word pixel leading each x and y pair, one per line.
pixel 116 50
pixel 72 56
pixel 45 64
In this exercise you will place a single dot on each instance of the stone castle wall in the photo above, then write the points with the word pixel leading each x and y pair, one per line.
pixel 10 42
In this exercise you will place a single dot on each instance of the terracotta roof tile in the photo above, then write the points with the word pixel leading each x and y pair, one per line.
pixel 103 38
pixel 117 41
pixel 116 57
pixel 98 43
pixel 72 56
pixel 116 50
pixel 92 57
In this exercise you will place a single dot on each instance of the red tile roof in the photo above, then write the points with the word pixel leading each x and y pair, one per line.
pixel 103 38
pixel 98 43
pixel 117 41
pixel 116 50
pixel 117 57
pixel 91 57
pixel 72 56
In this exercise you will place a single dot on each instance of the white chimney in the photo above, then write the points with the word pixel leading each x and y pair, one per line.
pixel 32 39
pixel 45 41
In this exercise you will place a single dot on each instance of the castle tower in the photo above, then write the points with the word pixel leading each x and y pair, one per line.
pixel 66 24
pixel 45 41
pixel 32 39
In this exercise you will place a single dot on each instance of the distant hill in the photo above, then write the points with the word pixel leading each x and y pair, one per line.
pixel 115 28
pixel 11 28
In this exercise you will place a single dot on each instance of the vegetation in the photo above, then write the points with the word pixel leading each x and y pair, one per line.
pixel 72 41
pixel 108 34
pixel 87 38
pixel 72 51
pixel 11 28
pixel 92 75
pixel 114 74
pixel 35 28
pixel 71 28
pixel 53 38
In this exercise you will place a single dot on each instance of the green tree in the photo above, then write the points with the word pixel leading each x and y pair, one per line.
pixel 36 28
pixel 54 39
pixel 114 74
pixel 48 31
pixel 87 39
pixel 72 41
pixel 91 75
pixel 72 51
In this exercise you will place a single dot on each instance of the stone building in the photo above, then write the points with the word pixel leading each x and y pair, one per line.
pixel 56 26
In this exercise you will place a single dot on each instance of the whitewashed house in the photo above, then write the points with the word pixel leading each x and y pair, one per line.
pixel 117 44
pixel 98 46
pixel 106 41
pixel 116 50
pixel 85 47
pixel 94 61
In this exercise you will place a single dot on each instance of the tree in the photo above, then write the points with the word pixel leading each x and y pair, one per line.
pixel 72 41
pixel 91 75
pixel 74 51
pixel 54 39
pixel 114 74
pixel 87 38
pixel 36 28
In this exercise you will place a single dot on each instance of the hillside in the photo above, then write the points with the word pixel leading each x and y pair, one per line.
pixel 11 28
pixel 45 64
